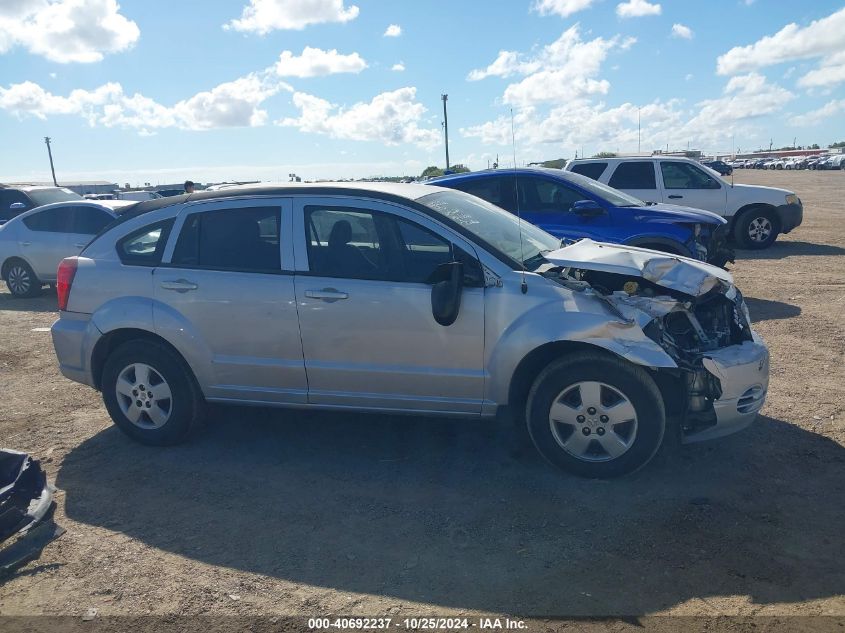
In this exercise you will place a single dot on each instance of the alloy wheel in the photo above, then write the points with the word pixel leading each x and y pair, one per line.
pixel 19 280
pixel 593 421
pixel 760 229
pixel 144 396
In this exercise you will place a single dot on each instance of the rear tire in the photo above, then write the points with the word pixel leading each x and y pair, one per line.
pixel 21 280
pixel 595 416
pixel 150 393
pixel 756 229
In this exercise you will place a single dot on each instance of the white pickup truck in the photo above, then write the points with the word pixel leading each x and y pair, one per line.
pixel 756 214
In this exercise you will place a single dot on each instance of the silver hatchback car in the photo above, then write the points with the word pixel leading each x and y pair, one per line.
pixel 404 299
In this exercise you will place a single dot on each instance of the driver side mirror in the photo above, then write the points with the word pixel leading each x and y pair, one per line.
pixel 587 208
pixel 447 284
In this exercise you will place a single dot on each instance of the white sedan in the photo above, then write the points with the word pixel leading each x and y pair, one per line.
pixel 33 243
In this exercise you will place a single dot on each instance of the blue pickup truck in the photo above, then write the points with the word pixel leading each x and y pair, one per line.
pixel 571 206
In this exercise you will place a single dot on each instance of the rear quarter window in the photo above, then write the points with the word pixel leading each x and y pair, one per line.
pixel 590 170
pixel 145 246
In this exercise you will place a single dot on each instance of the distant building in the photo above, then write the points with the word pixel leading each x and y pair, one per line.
pixel 79 186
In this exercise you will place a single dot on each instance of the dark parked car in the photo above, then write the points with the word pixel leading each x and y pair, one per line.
pixel 16 200
pixel 719 165
pixel 571 206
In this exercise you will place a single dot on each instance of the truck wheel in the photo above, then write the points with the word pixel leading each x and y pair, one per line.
pixel 756 229
pixel 21 279
pixel 150 393
pixel 595 416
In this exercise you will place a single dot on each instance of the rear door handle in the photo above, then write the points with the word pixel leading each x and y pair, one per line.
pixel 79 245
pixel 675 197
pixel 26 243
pixel 327 294
pixel 179 285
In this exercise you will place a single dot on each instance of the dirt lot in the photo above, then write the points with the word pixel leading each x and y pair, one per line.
pixel 292 513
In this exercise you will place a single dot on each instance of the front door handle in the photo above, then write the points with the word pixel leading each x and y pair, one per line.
pixel 25 243
pixel 675 197
pixel 329 295
pixel 179 285
pixel 79 245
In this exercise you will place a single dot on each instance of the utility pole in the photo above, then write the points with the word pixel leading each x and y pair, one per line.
pixel 446 127
pixel 50 154
pixel 638 131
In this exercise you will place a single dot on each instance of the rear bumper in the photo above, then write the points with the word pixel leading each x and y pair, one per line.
pixel 790 216
pixel 74 336
pixel 743 375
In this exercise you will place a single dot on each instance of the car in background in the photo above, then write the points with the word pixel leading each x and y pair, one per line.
pixel 832 162
pixel 720 166
pixel 33 243
pixel 571 207
pixel 756 214
pixel 414 299
pixel 14 200
pixel 99 196
pixel 138 196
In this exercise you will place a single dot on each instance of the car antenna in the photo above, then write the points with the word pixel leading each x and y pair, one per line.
pixel 523 286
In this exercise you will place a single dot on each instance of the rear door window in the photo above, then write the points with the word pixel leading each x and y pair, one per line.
pixel 50 221
pixel 590 170
pixel 498 190
pixel 637 174
pixel 549 196
pixel 241 239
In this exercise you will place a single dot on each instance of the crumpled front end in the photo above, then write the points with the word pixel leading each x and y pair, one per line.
pixel 699 318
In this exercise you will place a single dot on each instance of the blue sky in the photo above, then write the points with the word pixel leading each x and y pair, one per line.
pixel 153 91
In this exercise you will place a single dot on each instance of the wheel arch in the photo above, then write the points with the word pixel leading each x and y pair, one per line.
pixel 113 339
pixel 750 208
pixel 4 267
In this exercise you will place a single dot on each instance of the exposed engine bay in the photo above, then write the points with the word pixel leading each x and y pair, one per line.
pixel 691 310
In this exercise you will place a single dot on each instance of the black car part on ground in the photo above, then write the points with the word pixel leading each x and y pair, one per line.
pixel 26 505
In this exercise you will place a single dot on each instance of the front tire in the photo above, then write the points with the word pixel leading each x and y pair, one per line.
pixel 595 416
pixel 21 280
pixel 150 393
pixel 756 229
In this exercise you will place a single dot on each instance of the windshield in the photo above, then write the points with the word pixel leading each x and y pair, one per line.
pixel 613 196
pixel 48 196
pixel 494 227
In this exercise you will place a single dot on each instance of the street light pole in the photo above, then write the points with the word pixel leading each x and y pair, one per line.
pixel 638 131
pixel 446 128
pixel 50 154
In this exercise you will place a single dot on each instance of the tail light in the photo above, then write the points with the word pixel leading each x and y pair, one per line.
pixel 64 280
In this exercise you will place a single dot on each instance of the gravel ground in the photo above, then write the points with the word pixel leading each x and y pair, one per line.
pixel 274 512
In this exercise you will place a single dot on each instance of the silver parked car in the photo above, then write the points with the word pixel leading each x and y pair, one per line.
pixel 404 298
pixel 33 243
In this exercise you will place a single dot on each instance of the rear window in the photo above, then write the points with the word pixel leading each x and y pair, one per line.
pixel 637 174
pixel 590 170
pixel 145 246
pixel 48 196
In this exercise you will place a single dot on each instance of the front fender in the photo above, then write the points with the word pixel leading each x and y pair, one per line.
pixel 579 318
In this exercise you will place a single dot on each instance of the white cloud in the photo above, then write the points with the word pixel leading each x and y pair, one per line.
pixel 563 8
pixel 831 71
pixel 821 37
pixel 688 77
pixel 66 31
pixel 637 9
pixel 745 97
pixel 579 121
pixel 400 67
pixel 314 62
pixel 263 16
pixel 231 104
pixel 815 117
pixel 563 70
pixel 681 31
pixel 392 118
pixel 394 30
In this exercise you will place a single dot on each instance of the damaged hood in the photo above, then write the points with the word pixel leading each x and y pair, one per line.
pixel 674 272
